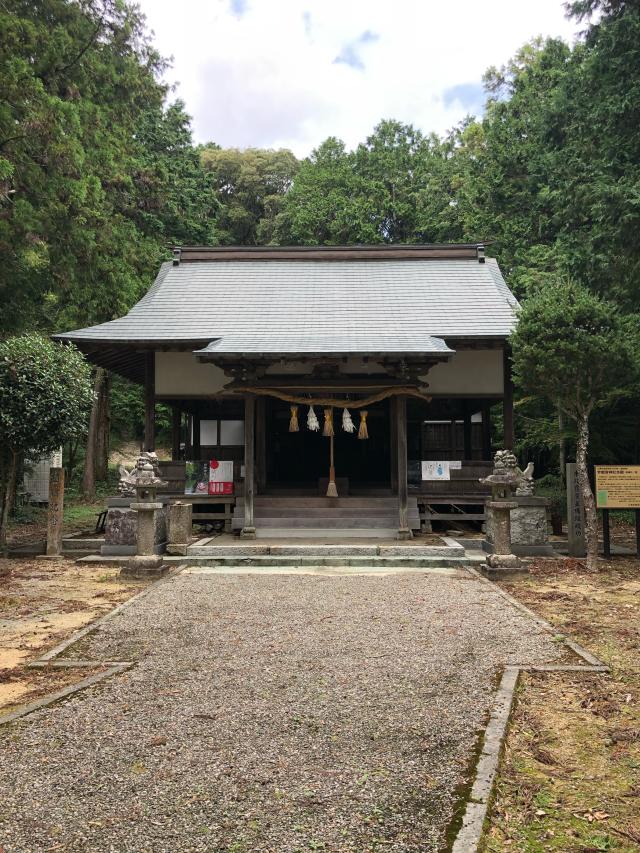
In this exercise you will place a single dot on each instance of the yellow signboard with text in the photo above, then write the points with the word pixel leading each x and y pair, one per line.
pixel 617 486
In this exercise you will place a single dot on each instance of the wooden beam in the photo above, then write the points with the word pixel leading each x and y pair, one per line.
pixel 404 531
pixel 261 445
pixel 507 402
pixel 150 401
pixel 249 530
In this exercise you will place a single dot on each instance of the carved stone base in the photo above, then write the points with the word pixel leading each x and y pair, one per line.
pixel 248 533
pixel 505 561
pixel 144 567
pixel 176 550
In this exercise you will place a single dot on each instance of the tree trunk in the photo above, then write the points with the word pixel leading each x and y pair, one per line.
pixel 590 514
pixel 89 474
pixel 8 469
pixel 104 427
pixel 562 448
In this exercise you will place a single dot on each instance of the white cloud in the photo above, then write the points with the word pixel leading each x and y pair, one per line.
pixel 264 72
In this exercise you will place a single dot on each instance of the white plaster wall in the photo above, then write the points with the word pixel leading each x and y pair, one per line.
pixel 474 372
pixel 180 373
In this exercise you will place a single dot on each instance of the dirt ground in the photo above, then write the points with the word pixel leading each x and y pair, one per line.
pixel 42 603
pixel 570 779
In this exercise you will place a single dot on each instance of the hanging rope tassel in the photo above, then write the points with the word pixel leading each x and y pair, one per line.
pixel 293 423
pixel 328 422
pixel 312 420
pixel 363 432
pixel 347 423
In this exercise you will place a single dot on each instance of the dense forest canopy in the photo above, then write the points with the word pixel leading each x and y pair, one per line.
pixel 100 176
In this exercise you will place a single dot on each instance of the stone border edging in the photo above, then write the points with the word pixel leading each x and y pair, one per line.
pixel 471 832
pixel 48 658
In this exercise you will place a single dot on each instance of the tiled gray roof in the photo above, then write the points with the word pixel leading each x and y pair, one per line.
pixel 317 306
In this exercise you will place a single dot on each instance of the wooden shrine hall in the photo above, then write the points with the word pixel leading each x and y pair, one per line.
pixel 351 387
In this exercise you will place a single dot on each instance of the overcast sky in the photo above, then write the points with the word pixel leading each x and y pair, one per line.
pixel 289 73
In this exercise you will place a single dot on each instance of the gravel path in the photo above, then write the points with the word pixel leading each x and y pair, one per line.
pixel 268 713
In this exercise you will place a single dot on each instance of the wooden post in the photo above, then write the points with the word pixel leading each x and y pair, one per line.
pixel 261 445
pixel 196 437
pixel 150 401
pixel 404 531
pixel 249 530
pixel 55 511
pixel 188 439
pixel 507 401
pixel 393 444
pixel 466 414
pixel 638 532
pixel 486 430
pixel 176 432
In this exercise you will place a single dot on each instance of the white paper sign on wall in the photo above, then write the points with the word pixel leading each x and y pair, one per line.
pixel 435 470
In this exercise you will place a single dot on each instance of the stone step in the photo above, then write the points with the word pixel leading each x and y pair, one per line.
pixel 322 550
pixel 337 522
pixel 326 532
pixel 73 543
pixel 321 512
pixel 362 562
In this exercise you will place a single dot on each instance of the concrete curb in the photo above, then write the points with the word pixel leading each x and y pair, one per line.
pixel 47 660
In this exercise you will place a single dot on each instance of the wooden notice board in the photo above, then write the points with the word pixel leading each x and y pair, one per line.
pixel 617 486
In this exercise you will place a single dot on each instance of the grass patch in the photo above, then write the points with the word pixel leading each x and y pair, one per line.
pixel 570 779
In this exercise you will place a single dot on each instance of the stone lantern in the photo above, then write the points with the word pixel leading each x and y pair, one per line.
pixel 504 481
pixel 144 479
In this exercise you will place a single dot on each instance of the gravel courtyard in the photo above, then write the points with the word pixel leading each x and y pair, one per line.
pixel 280 713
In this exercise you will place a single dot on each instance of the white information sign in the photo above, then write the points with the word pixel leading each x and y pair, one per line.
pixel 435 470
pixel 220 477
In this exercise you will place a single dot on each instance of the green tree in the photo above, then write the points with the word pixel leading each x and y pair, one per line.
pixel 45 395
pixel 248 187
pixel 395 187
pixel 581 353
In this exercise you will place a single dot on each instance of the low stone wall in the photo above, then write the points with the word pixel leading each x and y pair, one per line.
pixel 529 528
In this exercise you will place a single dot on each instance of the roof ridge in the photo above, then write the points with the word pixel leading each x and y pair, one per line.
pixel 392 251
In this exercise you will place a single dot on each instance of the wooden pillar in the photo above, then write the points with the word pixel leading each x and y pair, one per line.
pixel 404 531
pixel 176 432
pixel 393 443
pixel 507 402
pixel 249 529
pixel 196 437
pixel 261 445
pixel 150 401
pixel 486 430
pixel 466 414
pixel 188 438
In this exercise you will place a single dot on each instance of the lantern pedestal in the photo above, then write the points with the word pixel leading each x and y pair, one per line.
pixel 145 563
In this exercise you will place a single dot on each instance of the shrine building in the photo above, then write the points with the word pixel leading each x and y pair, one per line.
pixel 328 376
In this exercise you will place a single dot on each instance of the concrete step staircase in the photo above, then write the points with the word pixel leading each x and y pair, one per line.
pixel 282 516
pixel 368 558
